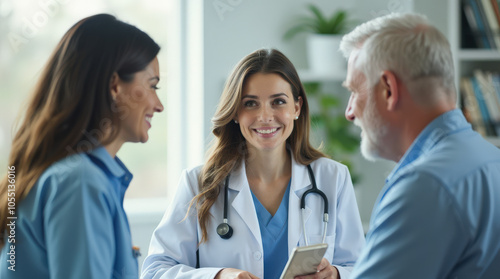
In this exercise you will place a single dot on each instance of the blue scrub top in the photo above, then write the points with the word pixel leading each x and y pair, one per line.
pixel 72 223
pixel 274 232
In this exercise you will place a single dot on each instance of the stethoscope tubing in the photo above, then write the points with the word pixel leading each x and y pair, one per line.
pixel 313 190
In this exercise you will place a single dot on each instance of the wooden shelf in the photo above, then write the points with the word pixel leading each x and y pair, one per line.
pixel 478 55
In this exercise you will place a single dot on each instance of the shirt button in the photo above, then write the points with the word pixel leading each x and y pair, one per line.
pixel 257 255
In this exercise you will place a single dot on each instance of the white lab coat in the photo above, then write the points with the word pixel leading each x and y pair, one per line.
pixel 172 253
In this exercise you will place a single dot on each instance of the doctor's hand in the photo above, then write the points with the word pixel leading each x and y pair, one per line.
pixel 325 271
pixel 233 273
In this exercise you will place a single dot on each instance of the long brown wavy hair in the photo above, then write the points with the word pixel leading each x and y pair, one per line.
pixel 71 109
pixel 228 148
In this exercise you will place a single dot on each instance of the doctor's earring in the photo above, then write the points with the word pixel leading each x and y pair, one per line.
pixel 296 117
pixel 235 121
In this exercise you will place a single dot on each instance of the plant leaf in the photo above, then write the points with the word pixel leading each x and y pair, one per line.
pixel 294 31
pixel 311 88
pixel 303 24
pixel 337 22
pixel 317 120
pixel 328 101
pixel 320 21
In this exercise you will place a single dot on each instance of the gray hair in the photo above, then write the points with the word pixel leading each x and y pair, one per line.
pixel 406 44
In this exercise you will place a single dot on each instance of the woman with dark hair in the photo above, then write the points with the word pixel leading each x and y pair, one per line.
pixel 257 167
pixel 97 91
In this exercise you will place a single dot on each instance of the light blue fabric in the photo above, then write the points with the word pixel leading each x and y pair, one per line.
pixel 274 231
pixel 438 216
pixel 72 223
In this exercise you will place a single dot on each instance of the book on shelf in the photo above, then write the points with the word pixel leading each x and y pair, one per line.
pixel 491 20
pixel 481 102
pixel 496 9
pixel 480 24
pixel 470 106
pixel 470 37
pixel 489 95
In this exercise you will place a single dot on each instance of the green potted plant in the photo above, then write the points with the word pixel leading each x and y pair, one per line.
pixel 324 38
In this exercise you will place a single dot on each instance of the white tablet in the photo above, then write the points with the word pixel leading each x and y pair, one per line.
pixel 304 260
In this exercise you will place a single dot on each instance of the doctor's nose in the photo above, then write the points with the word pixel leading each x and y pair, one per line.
pixel 349 111
pixel 266 115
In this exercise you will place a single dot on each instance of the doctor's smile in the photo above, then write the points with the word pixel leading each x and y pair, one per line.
pixel 267 132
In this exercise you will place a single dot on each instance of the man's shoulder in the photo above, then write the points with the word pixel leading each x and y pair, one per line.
pixel 454 168
pixel 455 156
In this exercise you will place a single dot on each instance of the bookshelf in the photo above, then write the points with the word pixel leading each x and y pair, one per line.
pixel 470 57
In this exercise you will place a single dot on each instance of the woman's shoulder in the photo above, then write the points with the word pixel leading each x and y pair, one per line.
pixel 332 173
pixel 74 182
pixel 194 171
pixel 329 164
pixel 191 174
pixel 190 178
pixel 73 172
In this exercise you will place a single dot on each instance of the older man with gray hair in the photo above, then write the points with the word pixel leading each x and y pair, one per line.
pixel 438 215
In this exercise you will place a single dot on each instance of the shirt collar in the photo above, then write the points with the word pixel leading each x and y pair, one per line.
pixel 113 165
pixel 441 127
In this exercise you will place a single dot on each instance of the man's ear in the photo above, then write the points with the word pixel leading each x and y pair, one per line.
pixel 114 87
pixel 390 87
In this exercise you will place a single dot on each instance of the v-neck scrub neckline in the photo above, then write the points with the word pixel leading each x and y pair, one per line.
pixel 274 233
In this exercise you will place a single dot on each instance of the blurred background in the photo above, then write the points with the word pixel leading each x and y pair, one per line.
pixel 201 42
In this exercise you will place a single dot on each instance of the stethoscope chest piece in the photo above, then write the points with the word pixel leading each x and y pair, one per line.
pixel 224 230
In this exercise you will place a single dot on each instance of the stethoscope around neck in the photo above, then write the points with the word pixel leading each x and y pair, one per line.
pixel 225 231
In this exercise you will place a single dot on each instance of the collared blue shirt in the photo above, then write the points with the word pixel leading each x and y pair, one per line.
pixel 438 216
pixel 274 231
pixel 72 223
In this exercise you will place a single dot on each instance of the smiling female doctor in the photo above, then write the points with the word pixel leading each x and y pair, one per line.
pixel 261 152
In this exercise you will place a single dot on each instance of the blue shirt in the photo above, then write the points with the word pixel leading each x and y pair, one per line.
pixel 438 216
pixel 72 223
pixel 274 231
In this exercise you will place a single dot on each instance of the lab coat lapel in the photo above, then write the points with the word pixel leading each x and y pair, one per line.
pixel 300 183
pixel 243 202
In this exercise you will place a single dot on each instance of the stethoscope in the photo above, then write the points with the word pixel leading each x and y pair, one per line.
pixel 225 231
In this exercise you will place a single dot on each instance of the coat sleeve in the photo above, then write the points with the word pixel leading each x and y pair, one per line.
pixel 349 233
pixel 172 252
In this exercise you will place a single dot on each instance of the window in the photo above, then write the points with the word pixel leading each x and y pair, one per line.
pixel 30 31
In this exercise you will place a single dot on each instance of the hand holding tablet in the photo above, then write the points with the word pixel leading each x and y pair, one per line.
pixel 304 260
